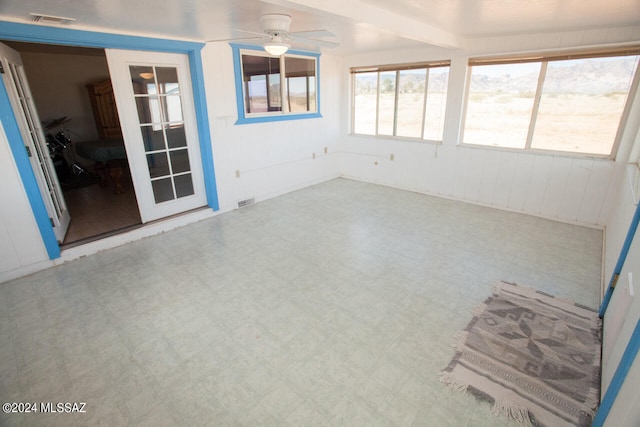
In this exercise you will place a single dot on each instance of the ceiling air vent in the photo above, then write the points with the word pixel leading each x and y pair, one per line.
pixel 50 19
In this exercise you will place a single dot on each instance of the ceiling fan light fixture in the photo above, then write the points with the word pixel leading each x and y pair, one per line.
pixel 276 49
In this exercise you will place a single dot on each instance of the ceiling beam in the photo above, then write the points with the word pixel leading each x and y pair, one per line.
pixel 383 19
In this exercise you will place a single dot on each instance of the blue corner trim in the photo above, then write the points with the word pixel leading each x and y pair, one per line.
pixel 621 259
pixel 619 377
pixel 69 37
pixel 17 146
pixel 202 117
pixel 237 67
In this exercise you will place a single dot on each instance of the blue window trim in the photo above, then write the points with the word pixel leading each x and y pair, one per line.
pixel 237 66
pixel 69 37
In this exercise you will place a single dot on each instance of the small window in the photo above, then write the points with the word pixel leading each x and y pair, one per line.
pixel 273 88
pixel 406 101
pixel 568 104
pixel 300 90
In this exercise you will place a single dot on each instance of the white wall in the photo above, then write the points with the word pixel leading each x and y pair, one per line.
pixel 263 160
pixel 625 411
pixel 20 241
pixel 270 158
pixel 623 312
pixel 570 189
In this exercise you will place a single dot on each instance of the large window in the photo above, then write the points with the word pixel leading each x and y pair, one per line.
pixel 569 103
pixel 400 100
pixel 273 88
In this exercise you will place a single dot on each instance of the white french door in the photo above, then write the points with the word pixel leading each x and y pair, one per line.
pixel 157 114
pixel 29 123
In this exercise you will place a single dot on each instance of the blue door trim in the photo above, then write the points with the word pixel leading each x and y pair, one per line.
pixel 619 377
pixel 69 37
pixel 621 259
pixel 633 346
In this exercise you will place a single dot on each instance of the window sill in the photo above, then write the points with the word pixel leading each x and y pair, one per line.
pixel 276 118
pixel 540 152
pixel 396 138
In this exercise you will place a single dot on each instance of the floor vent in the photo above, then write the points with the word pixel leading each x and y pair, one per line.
pixel 246 202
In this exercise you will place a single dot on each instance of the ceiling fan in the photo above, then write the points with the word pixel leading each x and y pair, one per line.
pixel 278 38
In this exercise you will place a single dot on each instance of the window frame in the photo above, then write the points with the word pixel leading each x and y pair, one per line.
pixel 544 59
pixel 273 116
pixel 397 68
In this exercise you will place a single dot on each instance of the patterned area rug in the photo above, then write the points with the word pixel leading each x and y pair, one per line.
pixel 536 358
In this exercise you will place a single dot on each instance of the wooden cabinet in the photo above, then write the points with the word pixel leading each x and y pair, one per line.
pixel 104 110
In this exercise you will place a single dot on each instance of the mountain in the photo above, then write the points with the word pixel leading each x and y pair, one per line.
pixel 599 76
pixel 594 76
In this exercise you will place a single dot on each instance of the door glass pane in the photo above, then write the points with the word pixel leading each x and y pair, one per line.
pixel 142 78
pixel 159 105
pixel 153 139
pixel 162 190
pixel 148 109
pixel 176 136
pixel 158 164
pixel 172 109
pixel 168 80
pixel 184 185
pixel 180 161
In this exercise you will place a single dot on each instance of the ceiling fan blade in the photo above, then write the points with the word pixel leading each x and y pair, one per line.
pixel 264 35
pixel 321 43
pixel 256 36
pixel 314 33
pixel 235 39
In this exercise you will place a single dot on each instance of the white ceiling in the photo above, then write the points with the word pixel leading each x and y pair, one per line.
pixel 360 25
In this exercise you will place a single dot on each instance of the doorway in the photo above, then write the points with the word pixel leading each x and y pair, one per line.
pixel 68 89
pixel 171 198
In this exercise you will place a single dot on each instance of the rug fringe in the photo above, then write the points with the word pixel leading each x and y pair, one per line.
pixel 499 286
pixel 460 340
pixel 592 400
pixel 477 311
pixel 453 382
pixel 496 288
pixel 511 410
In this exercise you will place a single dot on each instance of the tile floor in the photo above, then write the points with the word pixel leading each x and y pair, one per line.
pixel 96 210
pixel 332 305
